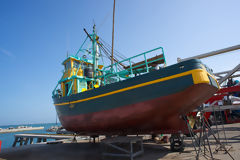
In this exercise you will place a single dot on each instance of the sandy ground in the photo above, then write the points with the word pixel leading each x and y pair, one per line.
pixel 152 151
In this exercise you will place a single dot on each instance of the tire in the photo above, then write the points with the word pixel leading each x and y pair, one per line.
pixel 177 146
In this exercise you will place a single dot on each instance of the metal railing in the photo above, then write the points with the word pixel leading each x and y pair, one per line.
pixel 114 71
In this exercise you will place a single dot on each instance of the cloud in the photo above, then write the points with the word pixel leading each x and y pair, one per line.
pixel 7 53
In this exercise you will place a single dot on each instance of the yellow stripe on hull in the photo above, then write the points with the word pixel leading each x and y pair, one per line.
pixel 198 75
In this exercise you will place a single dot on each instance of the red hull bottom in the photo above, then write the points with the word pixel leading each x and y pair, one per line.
pixel 160 115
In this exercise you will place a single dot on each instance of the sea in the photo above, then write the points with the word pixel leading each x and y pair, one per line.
pixel 7 139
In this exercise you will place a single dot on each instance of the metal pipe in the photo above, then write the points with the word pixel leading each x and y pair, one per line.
pixel 224 72
pixel 229 74
pixel 213 53
pixel 232 76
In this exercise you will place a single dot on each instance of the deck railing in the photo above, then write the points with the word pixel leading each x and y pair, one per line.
pixel 114 71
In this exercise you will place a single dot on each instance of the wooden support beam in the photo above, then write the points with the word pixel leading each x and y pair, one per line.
pixel 15 142
pixel 21 141
pixel 31 140
pixel 26 141
pixel 39 140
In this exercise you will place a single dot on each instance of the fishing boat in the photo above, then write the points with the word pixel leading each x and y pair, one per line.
pixel 136 95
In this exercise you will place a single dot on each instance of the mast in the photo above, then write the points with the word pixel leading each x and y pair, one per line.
pixel 113 32
pixel 95 56
pixel 94 51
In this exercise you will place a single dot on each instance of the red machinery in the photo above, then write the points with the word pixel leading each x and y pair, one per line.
pixel 222 96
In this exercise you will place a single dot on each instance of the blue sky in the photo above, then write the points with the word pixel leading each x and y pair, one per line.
pixel 36 34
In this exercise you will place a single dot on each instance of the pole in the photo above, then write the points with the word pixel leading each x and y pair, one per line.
pixel 213 53
pixel 56 118
pixel 113 33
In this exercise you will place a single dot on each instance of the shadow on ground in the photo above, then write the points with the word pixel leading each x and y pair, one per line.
pixel 73 151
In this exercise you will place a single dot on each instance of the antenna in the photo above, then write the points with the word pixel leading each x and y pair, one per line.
pixel 103 21
pixel 93 22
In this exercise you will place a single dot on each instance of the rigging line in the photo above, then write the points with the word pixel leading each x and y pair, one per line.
pixel 107 57
pixel 107 49
pixel 116 60
pixel 123 64
pixel 101 46
pixel 101 56
pixel 119 64
pixel 103 21
pixel 114 49
pixel 115 55
pixel 107 52
pixel 104 51
pixel 120 54
pixel 123 57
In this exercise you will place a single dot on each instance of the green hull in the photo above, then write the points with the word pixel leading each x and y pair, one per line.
pixel 143 92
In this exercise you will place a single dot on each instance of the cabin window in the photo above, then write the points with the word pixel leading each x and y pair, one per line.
pixel 75 64
pixel 67 65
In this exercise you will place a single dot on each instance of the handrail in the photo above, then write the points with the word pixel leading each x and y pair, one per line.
pixel 133 67
pixel 129 68
pixel 112 72
pixel 136 56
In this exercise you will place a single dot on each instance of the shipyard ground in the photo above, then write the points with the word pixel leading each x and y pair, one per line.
pixel 91 151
